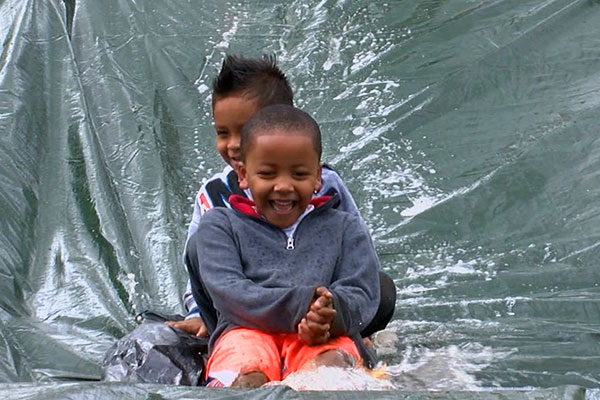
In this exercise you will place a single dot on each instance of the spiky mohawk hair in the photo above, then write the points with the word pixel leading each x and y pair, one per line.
pixel 259 79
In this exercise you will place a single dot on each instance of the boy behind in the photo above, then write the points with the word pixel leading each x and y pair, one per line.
pixel 293 279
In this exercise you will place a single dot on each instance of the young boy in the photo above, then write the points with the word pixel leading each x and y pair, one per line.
pixel 293 279
pixel 242 87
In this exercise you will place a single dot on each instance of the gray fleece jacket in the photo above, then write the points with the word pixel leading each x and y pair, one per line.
pixel 256 280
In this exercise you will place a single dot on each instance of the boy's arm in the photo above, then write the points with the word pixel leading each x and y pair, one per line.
pixel 203 203
pixel 189 302
pixel 355 286
pixel 188 299
pixel 332 180
pixel 193 227
pixel 237 299
pixel 193 323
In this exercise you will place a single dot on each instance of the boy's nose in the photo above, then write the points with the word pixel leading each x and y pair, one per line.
pixel 283 186
pixel 233 145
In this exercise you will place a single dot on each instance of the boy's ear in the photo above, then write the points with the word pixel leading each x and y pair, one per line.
pixel 319 183
pixel 242 176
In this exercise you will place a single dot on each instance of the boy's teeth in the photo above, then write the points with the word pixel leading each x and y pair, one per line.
pixel 282 205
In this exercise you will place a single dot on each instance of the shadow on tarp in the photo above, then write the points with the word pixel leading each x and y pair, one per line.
pixel 81 391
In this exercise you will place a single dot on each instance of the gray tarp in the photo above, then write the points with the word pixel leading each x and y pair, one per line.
pixel 467 130
pixel 134 392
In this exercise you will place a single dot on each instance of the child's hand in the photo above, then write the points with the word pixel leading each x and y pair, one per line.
pixel 193 326
pixel 313 329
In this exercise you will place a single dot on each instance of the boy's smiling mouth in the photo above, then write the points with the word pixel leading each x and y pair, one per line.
pixel 282 206
pixel 235 161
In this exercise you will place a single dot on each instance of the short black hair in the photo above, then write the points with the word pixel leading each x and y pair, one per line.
pixel 260 79
pixel 282 117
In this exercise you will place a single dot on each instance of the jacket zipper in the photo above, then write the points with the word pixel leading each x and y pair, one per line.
pixel 290 243
pixel 290 239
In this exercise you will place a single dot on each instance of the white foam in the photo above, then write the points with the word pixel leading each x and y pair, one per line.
pixel 202 88
pixel 420 205
pixel 228 35
pixel 451 367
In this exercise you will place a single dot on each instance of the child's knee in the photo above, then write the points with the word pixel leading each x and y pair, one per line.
pixel 331 358
pixel 250 380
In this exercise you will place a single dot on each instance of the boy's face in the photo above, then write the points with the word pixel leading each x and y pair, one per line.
pixel 282 171
pixel 231 113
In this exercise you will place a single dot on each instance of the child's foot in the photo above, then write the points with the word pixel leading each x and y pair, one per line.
pixel 250 380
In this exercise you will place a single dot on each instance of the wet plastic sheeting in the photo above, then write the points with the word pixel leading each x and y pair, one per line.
pixel 467 131
pixel 87 391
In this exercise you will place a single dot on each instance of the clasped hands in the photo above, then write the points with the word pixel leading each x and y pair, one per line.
pixel 314 328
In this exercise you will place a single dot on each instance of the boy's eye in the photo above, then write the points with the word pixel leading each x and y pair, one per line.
pixel 301 174
pixel 222 133
pixel 265 173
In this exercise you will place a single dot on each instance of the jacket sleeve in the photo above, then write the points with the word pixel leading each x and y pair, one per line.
pixel 188 299
pixel 237 299
pixel 189 302
pixel 332 180
pixel 355 285
pixel 200 207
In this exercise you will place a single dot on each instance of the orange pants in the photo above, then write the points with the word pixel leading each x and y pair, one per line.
pixel 276 355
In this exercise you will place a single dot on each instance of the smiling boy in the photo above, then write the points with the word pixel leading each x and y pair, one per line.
pixel 281 201
pixel 293 279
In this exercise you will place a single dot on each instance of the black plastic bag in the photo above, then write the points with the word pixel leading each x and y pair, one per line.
pixel 156 353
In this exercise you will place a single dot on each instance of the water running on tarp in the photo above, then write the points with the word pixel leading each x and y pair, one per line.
pixel 467 132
